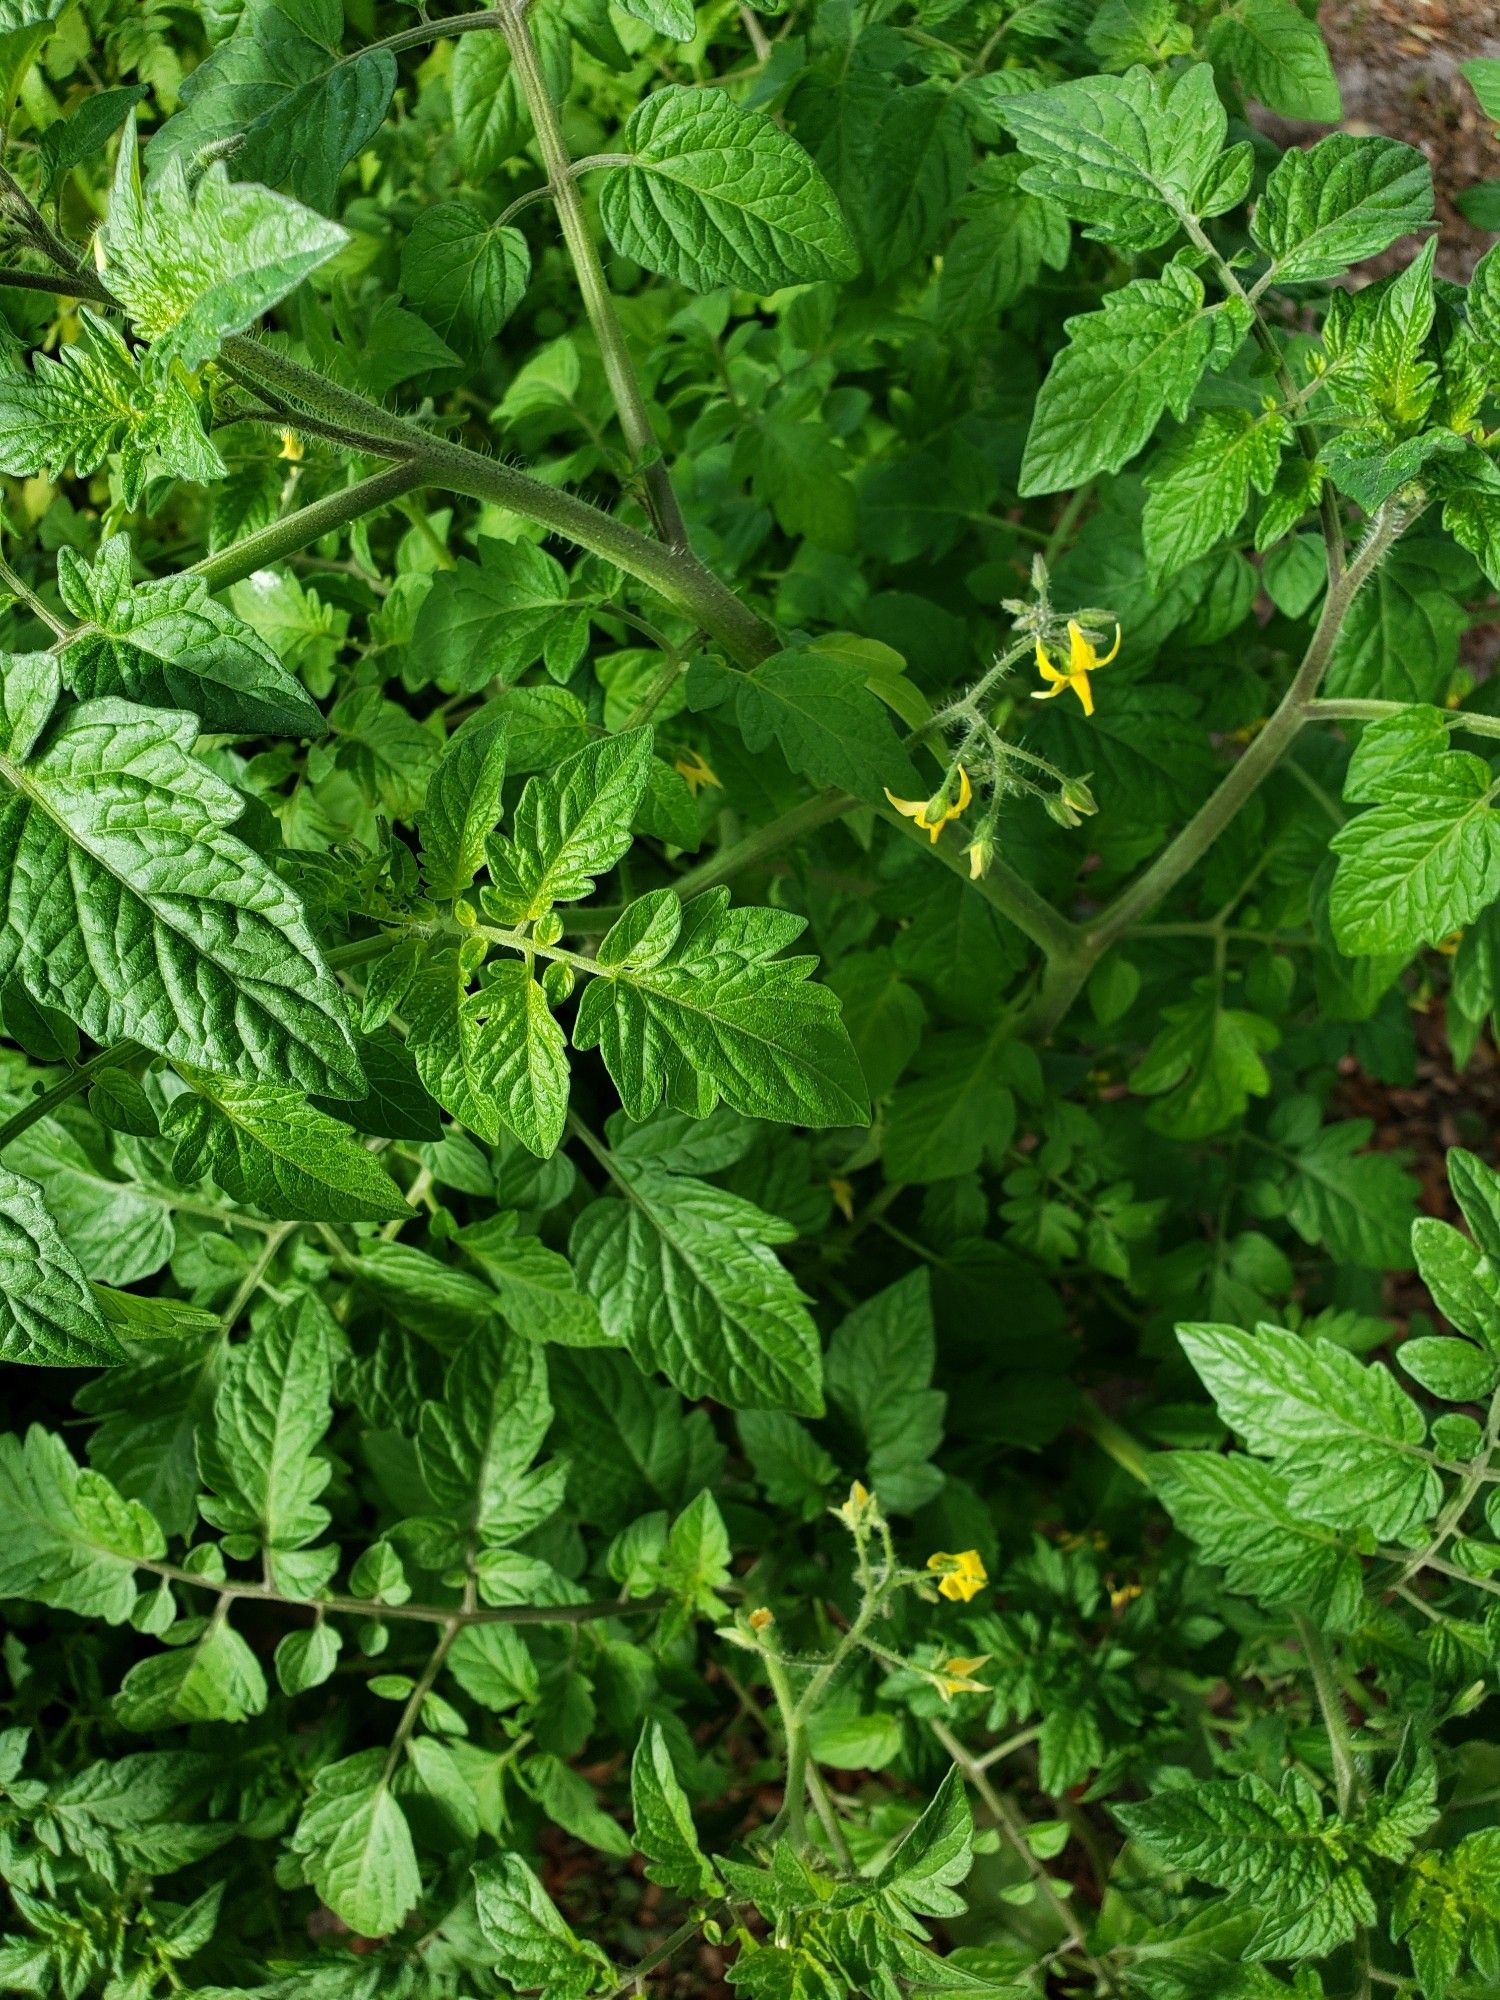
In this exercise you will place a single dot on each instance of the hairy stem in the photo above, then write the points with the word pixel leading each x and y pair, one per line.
pixel 114 1057
pixel 567 198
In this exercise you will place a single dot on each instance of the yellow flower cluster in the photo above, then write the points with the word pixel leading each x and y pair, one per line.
pixel 1083 660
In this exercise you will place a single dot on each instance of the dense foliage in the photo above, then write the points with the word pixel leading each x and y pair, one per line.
pixel 719 730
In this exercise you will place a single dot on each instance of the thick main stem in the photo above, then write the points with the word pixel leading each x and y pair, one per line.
pixel 624 383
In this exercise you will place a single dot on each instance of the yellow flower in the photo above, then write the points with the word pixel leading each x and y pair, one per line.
pixel 956 1676
pixel 960 1577
pixel 935 813
pixel 981 853
pixel 1083 660
pixel 291 446
pixel 843 1196
pixel 760 1619
pixel 695 768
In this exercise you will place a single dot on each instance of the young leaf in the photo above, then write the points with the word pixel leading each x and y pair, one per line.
pixel 569 826
pixel 192 265
pixel 259 1457
pixel 268 1147
pixel 664 1821
pixel 48 1315
pixel 495 1058
pixel 1200 483
pixel 685 1278
pixel 94 402
pixel 71 1540
pixel 355 1844
pixel 214 1678
pixel 167 644
pixel 491 619
pixel 538 1292
pixel 154 922
pixel 475 1448
pixel 938 1853
pixel 717 195
pixel 465 276
pixel 692 1006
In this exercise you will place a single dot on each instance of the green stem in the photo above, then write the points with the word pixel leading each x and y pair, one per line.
pixel 308 524
pixel 793 1816
pixel 114 1057
pixel 1375 711
pixel 624 383
pixel 1335 1717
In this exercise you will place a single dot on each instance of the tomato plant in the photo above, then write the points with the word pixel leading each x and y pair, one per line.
pixel 721 730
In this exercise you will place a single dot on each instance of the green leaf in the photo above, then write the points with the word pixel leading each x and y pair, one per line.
pixel 491 619
pixel 674 18
pixel 1279 57
pixel 878 1374
pixel 883 1016
pixel 475 1448
pixel 266 1146
pixel 465 276
pixel 1281 1858
pixel 167 644
pixel 1425 860
pixel 71 1540
pixel 495 1058
pixel 118 1230
pixel 1450 1368
pixel 194 264
pixel 1141 355
pixel 355 1844
pixel 1463 1281
pixel 1339 202
pixel 155 923
pixel 1344 1436
pixel 691 1006
pixel 1200 483
pixel 259 1456
pixel 299 110
pixel 819 710
pixel 491 1663
pixel 1126 155
pixel 1205 1065
pixel 213 1678
pixel 664 1821
pixel 1357 1204
pixel 462 806
pixel 958 1107
pixel 490 120
pixel 535 1950
pixel 307 1658
pixel 48 1315
pixel 685 1277
pixel 920 1876
pixel 538 1292
pixel 570 826
pixel 718 195
pixel 1240 1513
pixel 998 251
pixel 96 402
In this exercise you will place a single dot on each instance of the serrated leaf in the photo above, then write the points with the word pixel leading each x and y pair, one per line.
pixel 820 712
pixel 1240 1513
pixel 692 1005
pixel 685 1277
pixel 1140 355
pixel 1124 154
pixel 1275 1851
pixel 538 1292
pixel 535 1950
pixel 570 826
pixel 475 1448
pixel 1339 202
pixel 166 643
pixel 664 1821
pixel 214 1678
pixel 878 1374
pixel 149 920
pixel 259 1456
pixel 465 276
pixel 718 195
pixel 268 1147
pixel 1346 1439
pixel 194 264
pixel 280 85
pixel 71 1540
pixel 96 402
pixel 48 1314
pixel 1200 483
pixel 1279 58
pixel 491 619
pixel 356 1846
